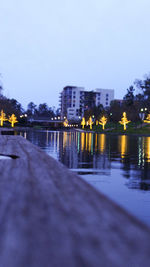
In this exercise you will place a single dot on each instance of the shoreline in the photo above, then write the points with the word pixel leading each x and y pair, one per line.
pixel 113 133
pixel 72 129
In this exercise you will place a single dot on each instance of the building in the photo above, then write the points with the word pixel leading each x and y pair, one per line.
pixel 75 100
pixel 104 97
pixel 71 100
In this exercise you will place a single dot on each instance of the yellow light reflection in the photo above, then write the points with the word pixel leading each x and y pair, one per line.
pixel 123 145
pixel 147 148
pixel 47 137
pixel 86 145
pixel 96 142
pixel 102 142
pixel 64 139
pixel 57 140
pixel 82 141
pixel 25 135
pixel 90 142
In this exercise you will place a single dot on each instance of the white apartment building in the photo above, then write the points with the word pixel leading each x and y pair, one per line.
pixel 74 100
pixel 104 97
pixel 71 102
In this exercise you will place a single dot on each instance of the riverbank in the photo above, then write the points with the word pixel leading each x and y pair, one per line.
pixel 115 129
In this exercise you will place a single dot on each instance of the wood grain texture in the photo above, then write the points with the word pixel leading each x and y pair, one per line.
pixel 51 217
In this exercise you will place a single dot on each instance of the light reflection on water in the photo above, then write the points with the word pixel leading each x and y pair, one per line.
pixel 118 166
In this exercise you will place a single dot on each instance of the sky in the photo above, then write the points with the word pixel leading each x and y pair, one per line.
pixel 46 45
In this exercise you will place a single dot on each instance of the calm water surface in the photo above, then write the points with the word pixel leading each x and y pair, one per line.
pixel 118 166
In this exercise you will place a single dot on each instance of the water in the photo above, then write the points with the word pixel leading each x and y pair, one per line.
pixel 118 166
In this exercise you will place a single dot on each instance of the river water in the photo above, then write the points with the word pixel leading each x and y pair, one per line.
pixel 118 166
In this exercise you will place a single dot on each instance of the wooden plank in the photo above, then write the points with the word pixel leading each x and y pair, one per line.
pixel 51 217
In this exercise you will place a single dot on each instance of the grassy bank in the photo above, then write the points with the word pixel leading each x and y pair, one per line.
pixel 132 128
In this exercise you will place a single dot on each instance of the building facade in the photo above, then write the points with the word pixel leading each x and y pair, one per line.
pixel 104 97
pixel 75 100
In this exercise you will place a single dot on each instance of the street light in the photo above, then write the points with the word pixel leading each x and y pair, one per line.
pixel 142 113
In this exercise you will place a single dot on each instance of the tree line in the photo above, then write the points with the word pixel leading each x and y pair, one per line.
pixel 11 106
pixel 135 101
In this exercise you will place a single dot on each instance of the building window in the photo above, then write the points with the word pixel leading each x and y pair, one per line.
pixel 74 96
pixel 106 103
pixel 73 105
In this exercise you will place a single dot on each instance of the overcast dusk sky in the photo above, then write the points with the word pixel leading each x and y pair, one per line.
pixel 46 45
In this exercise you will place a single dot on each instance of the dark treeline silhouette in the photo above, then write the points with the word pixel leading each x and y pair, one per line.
pixel 135 101
pixel 10 106
pixel 42 110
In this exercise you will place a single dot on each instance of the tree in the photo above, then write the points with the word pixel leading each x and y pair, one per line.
pixel 144 85
pixel 83 122
pixel 103 121
pixel 124 120
pixel 31 109
pixel 2 117
pixel 90 122
pixel 147 120
pixel 129 97
pixel 16 106
pixel 65 123
pixel 11 106
pixel 115 110
pixel 12 119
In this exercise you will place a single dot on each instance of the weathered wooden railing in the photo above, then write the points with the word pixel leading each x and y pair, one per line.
pixel 51 217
